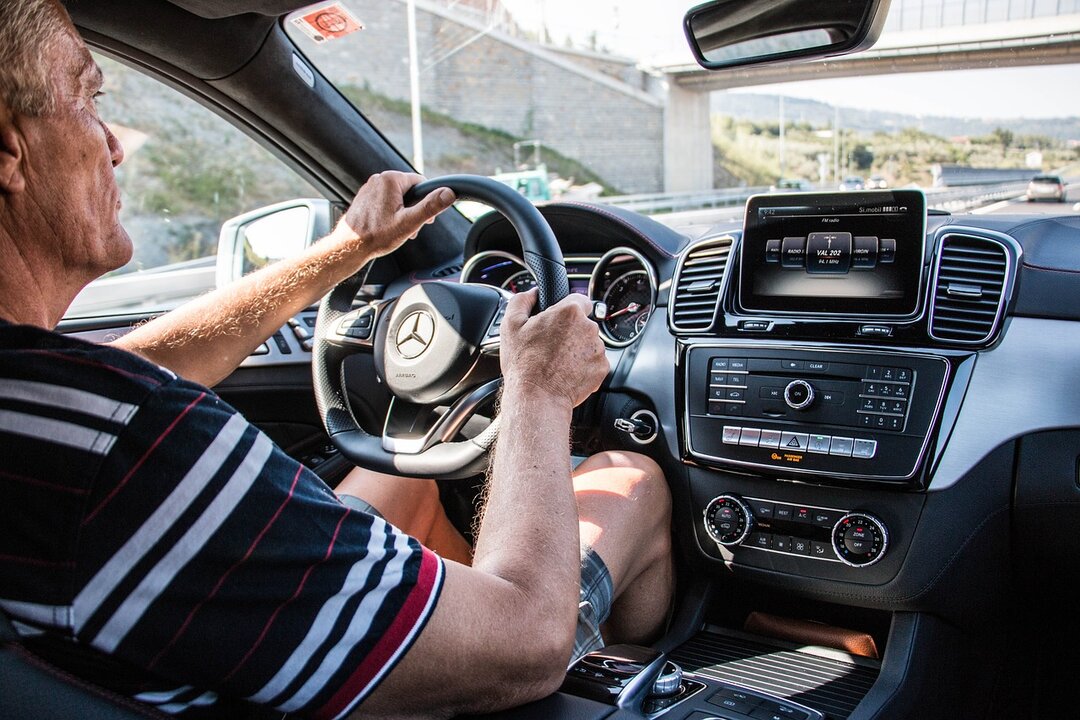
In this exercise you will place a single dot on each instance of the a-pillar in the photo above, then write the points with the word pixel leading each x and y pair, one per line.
pixel 688 148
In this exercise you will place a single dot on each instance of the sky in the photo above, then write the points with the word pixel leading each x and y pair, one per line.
pixel 650 29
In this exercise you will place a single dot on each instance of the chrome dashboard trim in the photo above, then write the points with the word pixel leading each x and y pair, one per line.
pixel 786 471
pixel 650 273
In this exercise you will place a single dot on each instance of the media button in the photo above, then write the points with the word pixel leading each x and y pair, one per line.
pixel 864 252
pixel 887 251
pixel 772 251
pixel 793 252
pixel 738 364
pixel 828 253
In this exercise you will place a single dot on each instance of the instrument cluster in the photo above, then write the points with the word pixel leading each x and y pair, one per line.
pixel 621 278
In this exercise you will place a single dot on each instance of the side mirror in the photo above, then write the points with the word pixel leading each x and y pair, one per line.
pixel 733 33
pixel 261 237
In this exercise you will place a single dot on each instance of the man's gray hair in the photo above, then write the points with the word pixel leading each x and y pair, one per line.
pixel 28 28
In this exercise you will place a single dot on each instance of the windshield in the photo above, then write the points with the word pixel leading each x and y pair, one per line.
pixel 602 101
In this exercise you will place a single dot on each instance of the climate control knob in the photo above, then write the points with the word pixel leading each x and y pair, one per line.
pixel 799 394
pixel 859 539
pixel 728 520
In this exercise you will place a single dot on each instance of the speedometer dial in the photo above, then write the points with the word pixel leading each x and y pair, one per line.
pixel 520 282
pixel 624 281
pixel 629 303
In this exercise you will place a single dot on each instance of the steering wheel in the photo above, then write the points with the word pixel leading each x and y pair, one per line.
pixel 435 347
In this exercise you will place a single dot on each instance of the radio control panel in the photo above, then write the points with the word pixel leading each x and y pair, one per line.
pixel 848 414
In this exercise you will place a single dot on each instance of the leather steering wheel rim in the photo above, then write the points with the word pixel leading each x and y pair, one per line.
pixel 465 458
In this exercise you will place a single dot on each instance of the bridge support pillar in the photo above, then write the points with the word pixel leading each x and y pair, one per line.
pixel 688 149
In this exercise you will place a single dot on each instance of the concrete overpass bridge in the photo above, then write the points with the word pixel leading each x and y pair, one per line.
pixel 919 36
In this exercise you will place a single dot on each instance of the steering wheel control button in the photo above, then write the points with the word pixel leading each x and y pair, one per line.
pixel 794 441
pixel 799 394
pixel 727 520
pixel 859 539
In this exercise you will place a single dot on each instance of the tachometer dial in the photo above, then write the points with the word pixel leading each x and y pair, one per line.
pixel 629 301
pixel 520 282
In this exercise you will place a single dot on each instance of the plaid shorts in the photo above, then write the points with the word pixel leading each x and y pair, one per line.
pixel 594 604
pixel 594 598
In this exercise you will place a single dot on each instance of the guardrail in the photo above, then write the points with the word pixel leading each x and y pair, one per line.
pixel 968 198
pixel 951 199
pixel 659 203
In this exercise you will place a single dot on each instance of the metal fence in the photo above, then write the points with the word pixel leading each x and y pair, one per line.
pixel 951 199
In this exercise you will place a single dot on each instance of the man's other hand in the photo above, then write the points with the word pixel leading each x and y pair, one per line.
pixel 378 218
pixel 558 351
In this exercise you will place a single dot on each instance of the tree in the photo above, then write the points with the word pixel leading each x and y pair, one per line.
pixel 862 156
pixel 1003 137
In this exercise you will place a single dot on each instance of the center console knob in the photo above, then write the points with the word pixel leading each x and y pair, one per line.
pixel 728 520
pixel 799 394
pixel 859 539
pixel 668 682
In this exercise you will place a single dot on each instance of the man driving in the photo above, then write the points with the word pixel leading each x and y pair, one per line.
pixel 160 545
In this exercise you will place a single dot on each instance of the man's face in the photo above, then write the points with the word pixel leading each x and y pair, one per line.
pixel 71 156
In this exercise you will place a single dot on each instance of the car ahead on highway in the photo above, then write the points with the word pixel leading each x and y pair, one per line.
pixel 852 182
pixel 791 185
pixel 877 182
pixel 1046 187
pixel 866 410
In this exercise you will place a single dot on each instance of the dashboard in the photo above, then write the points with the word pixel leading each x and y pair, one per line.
pixel 826 377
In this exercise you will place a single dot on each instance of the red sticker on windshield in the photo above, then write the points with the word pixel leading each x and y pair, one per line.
pixel 328 23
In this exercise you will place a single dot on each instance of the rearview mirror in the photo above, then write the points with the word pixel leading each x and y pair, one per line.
pixel 732 33
pixel 261 237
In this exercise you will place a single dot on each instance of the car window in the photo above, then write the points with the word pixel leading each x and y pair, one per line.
pixel 606 103
pixel 186 171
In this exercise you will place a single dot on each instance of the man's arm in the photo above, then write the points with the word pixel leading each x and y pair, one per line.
pixel 503 629
pixel 206 339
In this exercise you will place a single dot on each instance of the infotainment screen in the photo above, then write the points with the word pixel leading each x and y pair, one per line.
pixel 847 253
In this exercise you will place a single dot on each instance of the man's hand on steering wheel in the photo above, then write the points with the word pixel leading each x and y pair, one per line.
pixel 377 222
pixel 558 351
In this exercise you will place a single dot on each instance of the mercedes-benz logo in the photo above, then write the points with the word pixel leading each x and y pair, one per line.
pixel 414 334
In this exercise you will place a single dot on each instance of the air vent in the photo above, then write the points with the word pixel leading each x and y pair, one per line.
pixel 446 271
pixel 969 287
pixel 697 285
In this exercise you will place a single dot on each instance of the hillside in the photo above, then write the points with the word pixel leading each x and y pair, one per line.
pixel 763 108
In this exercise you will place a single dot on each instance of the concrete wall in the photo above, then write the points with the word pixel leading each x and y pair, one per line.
pixel 536 94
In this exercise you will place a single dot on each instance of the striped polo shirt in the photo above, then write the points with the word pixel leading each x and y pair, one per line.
pixel 157 543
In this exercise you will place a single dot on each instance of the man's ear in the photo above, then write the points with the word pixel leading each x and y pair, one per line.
pixel 12 179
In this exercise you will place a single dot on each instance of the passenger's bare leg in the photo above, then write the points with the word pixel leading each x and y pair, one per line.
pixel 624 508
pixel 413 506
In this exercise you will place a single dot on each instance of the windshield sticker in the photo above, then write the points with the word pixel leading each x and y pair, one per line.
pixel 328 23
